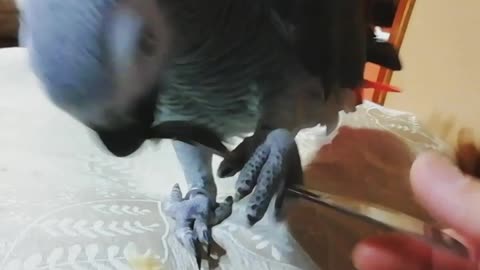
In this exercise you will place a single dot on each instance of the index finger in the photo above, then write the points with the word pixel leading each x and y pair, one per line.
pixel 448 194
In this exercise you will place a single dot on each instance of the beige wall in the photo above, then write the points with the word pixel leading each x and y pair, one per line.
pixel 441 57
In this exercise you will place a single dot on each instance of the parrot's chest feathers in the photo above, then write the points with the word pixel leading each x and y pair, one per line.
pixel 228 111
pixel 221 83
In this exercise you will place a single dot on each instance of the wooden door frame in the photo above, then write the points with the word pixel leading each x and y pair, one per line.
pixel 399 27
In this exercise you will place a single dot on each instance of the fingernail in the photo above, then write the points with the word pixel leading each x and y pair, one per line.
pixel 356 255
pixel 252 220
pixel 207 237
pixel 361 253
pixel 224 172
pixel 436 168
pixel 239 195
pixel 372 255
pixel 199 261
pixel 190 246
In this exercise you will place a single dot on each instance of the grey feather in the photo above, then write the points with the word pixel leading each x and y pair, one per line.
pixel 221 83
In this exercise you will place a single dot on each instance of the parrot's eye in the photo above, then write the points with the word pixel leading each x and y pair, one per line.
pixel 147 41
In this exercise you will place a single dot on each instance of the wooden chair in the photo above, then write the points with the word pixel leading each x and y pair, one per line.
pixel 397 31
pixel 8 23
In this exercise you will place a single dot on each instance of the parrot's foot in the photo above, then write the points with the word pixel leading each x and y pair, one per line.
pixel 267 171
pixel 194 215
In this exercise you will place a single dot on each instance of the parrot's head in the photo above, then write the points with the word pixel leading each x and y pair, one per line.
pixel 100 62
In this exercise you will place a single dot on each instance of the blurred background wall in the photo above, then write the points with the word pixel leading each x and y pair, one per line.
pixel 441 58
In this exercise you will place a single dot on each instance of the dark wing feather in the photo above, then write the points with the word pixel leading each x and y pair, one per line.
pixel 381 12
pixel 382 53
pixel 334 39
pixel 189 133
pixel 329 38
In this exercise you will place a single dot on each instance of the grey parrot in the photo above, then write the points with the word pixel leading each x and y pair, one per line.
pixel 196 71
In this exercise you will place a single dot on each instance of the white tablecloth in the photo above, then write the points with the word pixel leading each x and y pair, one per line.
pixel 67 204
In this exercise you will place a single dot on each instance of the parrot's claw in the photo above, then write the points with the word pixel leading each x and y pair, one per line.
pixel 194 215
pixel 265 172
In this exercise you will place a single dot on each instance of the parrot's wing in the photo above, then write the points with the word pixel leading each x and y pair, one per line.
pixel 334 39
pixel 382 53
pixel 329 38
pixel 381 12
pixel 351 41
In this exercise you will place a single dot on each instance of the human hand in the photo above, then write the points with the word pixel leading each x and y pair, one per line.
pixel 451 197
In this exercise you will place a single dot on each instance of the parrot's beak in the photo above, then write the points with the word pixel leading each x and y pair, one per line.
pixel 125 141
pixel 126 138
pixel 122 142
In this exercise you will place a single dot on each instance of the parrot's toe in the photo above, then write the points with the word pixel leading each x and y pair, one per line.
pixel 247 180
pixel 223 211
pixel 264 174
pixel 194 216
